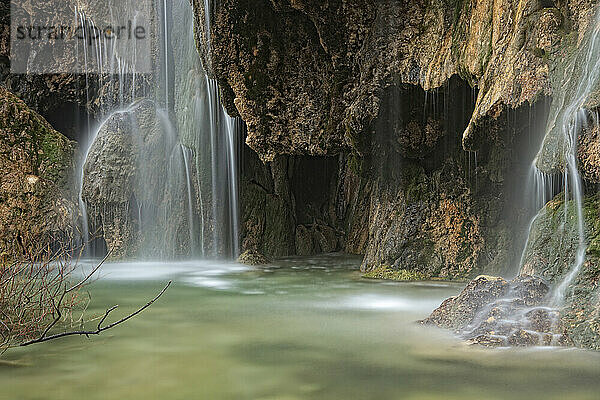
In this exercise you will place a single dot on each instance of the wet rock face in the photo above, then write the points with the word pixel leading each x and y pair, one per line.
pixel 425 205
pixel 588 154
pixel 108 183
pixel 520 315
pixel 458 312
pixel 288 206
pixel 493 312
pixel 252 257
pixel 134 189
pixel 290 107
pixel 418 139
pixel 308 76
pixel 36 166
pixel 552 255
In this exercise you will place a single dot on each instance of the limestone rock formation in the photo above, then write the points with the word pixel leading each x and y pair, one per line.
pixel 361 80
pixel 308 76
pixel 136 196
pixel 251 257
pixel 588 154
pixel 108 183
pixel 36 164
pixel 517 314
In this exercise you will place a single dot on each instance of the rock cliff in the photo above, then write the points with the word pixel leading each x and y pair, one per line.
pixel 308 77
pixel 374 83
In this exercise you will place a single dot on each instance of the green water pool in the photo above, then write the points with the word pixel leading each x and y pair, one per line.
pixel 305 328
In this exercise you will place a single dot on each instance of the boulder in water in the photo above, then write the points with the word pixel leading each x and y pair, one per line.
pixel 528 290
pixel 458 312
pixel 135 185
pixel 493 312
pixel 252 257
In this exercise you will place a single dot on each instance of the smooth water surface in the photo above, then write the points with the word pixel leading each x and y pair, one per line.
pixel 303 329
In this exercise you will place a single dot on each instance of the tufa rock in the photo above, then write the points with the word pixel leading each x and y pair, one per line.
pixel 36 164
pixel 252 257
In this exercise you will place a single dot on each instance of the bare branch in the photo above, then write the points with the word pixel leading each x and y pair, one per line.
pixel 100 329
pixel 106 315
pixel 88 276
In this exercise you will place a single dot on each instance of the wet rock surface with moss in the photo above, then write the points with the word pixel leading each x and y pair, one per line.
pixel 493 312
pixel 36 164
pixel 551 254
pixel 388 273
pixel 308 77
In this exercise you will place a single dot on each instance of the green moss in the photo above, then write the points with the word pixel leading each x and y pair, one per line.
pixel 49 151
pixel 388 273
pixel 414 182
pixel 592 217
pixel 355 163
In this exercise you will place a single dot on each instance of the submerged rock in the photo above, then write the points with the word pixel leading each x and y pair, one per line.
pixel 252 257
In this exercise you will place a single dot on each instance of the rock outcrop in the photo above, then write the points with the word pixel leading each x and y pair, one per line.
pixel 493 312
pixel 551 255
pixel 134 186
pixel 440 211
pixel 526 312
pixel 36 161
pixel 253 258
pixel 588 154
pixel 377 91
pixel 308 76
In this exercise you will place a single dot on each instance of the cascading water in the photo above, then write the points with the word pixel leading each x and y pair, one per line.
pixel 96 56
pixel 173 191
pixel 568 117
pixel 542 188
pixel 215 137
pixel 530 312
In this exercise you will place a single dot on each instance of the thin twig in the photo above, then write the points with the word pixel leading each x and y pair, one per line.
pixel 100 329
pixel 88 276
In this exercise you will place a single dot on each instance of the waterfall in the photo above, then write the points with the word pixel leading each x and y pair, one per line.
pixel 570 127
pixel 553 169
pixel 96 55
pixel 568 116
pixel 176 193
pixel 206 127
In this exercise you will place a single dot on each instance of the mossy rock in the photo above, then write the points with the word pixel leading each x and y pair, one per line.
pixel 36 163
pixel 252 257
pixel 388 273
